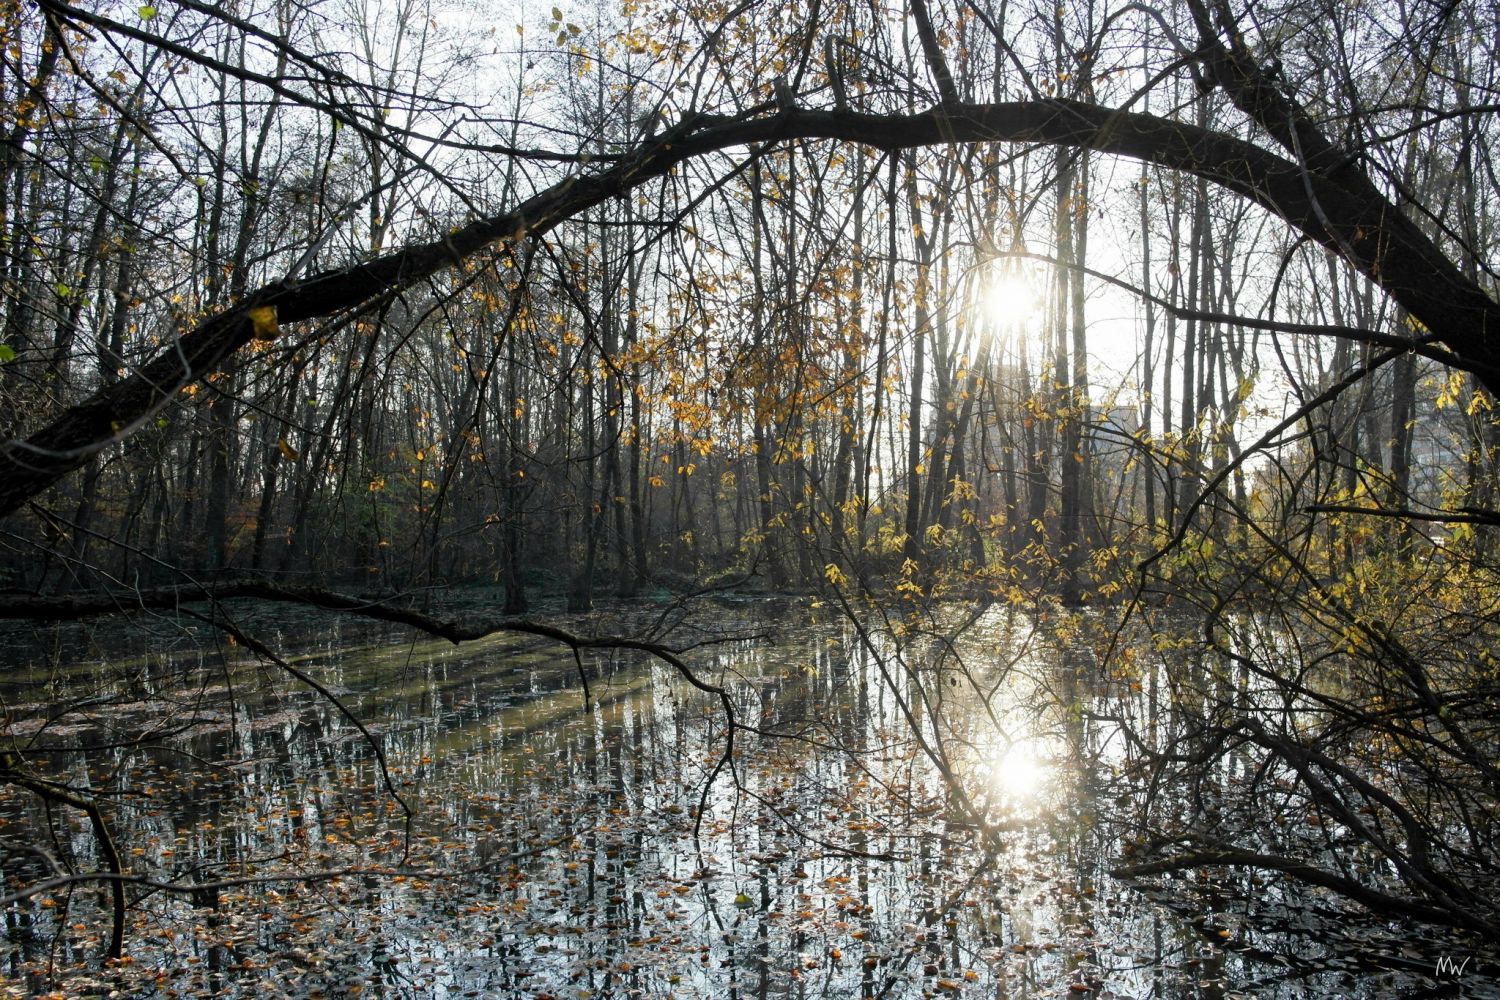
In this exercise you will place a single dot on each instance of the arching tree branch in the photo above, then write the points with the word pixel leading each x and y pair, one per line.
pixel 1368 231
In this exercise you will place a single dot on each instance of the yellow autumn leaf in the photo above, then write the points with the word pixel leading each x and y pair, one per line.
pixel 263 323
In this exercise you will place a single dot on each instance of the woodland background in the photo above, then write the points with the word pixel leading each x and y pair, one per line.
pixel 1183 306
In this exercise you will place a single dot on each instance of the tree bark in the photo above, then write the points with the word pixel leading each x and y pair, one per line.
pixel 1322 196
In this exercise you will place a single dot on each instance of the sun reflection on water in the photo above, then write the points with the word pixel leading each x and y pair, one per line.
pixel 1016 775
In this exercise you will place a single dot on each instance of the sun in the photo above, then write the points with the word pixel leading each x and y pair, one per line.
pixel 1008 299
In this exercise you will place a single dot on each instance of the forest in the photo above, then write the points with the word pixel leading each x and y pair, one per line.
pixel 787 475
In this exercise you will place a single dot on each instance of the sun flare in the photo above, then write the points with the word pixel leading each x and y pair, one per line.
pixel 1018 773
pixel 1009 299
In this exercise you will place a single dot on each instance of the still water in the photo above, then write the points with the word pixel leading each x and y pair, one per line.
pixel 906 812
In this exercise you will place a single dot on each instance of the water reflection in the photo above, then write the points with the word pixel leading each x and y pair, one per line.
pixel 557 849
pixel 1017 774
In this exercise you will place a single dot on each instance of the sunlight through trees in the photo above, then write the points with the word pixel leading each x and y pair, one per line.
pixel 1167 332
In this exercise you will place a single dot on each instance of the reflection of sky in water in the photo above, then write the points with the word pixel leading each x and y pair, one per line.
pixel 773 896
pixel 1017 774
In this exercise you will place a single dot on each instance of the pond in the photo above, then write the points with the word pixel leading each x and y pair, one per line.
pixel 906 813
